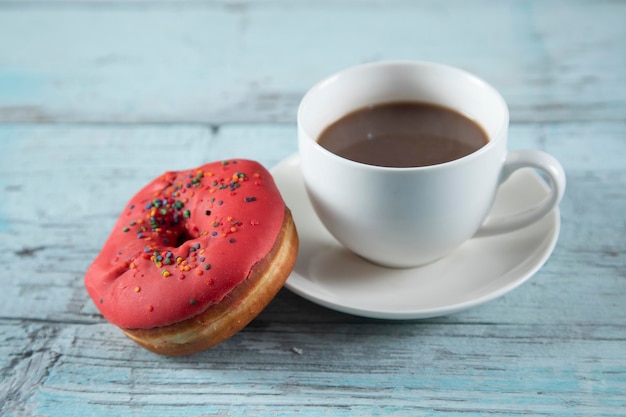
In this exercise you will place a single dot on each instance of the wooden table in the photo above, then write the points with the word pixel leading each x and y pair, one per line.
pixel 96 98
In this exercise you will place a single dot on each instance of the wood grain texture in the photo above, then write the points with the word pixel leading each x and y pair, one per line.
pixel 97 98
pixel 223 61
pixel 554 346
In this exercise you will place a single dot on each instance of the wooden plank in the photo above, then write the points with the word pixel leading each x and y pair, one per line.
pixel 220 61
pixel 61 197
pixel 553 346
pixel 458 369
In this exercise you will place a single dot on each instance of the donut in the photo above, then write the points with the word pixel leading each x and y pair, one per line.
pixel 194 257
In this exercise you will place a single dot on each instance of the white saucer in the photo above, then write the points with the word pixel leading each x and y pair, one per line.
pixel 479 271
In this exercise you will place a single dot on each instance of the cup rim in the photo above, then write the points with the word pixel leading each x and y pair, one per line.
pixel 412 63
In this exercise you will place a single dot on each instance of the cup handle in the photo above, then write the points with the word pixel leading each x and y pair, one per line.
pixel 556 178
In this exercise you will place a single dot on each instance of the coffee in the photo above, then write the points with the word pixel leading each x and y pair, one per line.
pixel 403 134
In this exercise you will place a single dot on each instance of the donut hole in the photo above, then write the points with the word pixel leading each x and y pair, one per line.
pixel 184 236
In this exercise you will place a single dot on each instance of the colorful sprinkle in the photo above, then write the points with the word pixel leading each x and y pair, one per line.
pixel 164 220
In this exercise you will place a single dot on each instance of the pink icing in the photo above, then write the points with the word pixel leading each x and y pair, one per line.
pixel 184 242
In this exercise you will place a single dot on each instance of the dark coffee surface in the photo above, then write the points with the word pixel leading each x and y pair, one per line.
pixel 403 134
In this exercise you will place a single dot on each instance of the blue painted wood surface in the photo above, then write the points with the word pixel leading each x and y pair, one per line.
pixel 96 98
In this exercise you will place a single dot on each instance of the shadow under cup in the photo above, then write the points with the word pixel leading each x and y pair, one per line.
pixel 402 217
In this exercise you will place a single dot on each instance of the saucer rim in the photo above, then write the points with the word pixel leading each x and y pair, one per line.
pixel 544 250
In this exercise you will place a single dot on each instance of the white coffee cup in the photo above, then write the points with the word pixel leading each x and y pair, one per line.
pixel 406 217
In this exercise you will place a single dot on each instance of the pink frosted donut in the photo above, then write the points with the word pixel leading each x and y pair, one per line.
pixel 195 256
